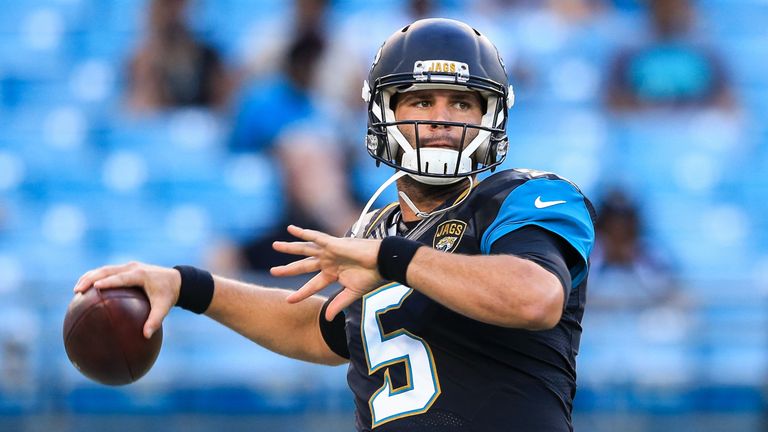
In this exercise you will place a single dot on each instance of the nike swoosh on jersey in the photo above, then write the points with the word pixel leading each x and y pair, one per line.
pixel 544 204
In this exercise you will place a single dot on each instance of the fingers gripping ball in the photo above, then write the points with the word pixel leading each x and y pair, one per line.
pixel 103 335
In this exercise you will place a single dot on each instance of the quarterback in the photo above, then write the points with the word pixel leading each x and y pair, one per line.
pixel 460 304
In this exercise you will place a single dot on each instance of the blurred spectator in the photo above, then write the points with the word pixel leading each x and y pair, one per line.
pixel 269 41
pixel 672 69
pixel 627 5
pixel 15 372
pixel 625 272
pixel 575 10
pixel 280 116
pixel 269 104
pixel 19 332
pixel 171 67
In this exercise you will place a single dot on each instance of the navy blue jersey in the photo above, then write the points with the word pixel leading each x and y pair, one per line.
pixel 416 365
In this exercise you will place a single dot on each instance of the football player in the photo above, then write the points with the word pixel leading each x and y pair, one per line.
pixel 460 304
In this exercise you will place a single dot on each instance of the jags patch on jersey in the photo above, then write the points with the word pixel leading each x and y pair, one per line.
pixel 448 235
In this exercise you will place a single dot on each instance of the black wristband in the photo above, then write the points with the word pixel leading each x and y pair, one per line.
pixel 196 291
pixel 395 253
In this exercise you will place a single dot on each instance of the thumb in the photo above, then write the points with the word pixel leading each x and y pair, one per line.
pixel 338 304
pixel 155 320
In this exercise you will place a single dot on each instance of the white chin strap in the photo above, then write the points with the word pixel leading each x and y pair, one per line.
pixel 422 215
pixel 436 161
pixel 358 227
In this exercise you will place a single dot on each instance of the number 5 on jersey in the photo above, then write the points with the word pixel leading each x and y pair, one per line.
pixel 383 350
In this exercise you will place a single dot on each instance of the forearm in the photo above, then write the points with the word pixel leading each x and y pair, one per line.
pixel 496 289
pixel 263 315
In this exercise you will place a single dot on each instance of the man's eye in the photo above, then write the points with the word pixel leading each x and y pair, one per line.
pixel 422 103
pixel 463 105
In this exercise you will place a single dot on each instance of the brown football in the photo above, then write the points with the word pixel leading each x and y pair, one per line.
pixel 103 335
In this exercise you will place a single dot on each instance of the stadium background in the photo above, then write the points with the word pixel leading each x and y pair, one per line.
pixel 83 184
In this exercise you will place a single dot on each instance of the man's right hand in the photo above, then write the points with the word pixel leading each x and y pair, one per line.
pixel 160 283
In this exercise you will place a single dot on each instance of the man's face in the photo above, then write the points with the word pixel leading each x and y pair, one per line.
pixel 439 105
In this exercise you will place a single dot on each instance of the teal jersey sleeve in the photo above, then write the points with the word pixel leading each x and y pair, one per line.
pixel 555 205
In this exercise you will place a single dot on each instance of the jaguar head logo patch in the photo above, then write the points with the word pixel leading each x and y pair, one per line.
pixel 448 235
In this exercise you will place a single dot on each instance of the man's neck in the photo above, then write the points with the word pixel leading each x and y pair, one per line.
pixel 425 197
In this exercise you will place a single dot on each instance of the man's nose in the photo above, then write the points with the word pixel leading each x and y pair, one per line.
pixel 441 113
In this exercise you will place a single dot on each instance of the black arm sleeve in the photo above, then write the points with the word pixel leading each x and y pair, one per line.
pixel 334 332
pixel 542 247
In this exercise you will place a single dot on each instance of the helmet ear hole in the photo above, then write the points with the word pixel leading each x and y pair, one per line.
pixel 393 100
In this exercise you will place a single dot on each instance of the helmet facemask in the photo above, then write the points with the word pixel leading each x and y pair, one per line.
pixel 437 165
pixel 386 143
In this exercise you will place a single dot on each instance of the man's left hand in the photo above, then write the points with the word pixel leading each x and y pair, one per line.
pixel 352 262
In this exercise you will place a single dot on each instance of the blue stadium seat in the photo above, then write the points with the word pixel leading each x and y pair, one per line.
pixel 180 146
pixel 245 198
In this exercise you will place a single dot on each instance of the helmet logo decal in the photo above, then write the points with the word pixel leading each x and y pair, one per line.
pixel 440 70
pixel 366 94
pixel 378 55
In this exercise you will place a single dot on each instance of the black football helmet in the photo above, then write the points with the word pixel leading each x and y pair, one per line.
pixel 438 53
